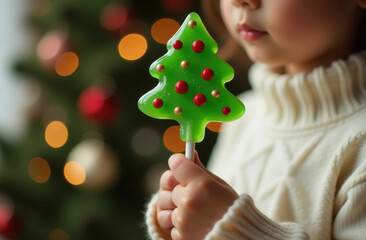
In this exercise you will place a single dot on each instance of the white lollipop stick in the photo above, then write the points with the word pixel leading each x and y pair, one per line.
pixel 190 150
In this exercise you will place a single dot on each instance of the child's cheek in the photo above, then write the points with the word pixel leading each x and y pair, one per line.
pixel 289 20
pixel 230 16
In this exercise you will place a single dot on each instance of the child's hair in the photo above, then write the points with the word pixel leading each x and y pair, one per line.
pixel 211 11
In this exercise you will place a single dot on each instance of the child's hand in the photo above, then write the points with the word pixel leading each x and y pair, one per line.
pixel 165 205
pixel 194 200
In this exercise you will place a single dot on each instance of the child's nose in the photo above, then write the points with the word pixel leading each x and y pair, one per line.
pixel 253 4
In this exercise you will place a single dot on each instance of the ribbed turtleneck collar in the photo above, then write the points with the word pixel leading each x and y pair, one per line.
pixel 322 96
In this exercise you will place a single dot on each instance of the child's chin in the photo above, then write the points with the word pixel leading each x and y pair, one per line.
pixel 267 59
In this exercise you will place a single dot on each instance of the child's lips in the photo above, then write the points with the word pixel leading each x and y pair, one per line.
pixel 249 33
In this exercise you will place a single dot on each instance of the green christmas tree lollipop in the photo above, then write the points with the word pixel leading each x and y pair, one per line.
pixel 191 83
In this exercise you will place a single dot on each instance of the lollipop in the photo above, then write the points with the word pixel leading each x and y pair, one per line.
pixel 191 84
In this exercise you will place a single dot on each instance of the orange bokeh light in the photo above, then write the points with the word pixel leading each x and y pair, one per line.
pixel 39 170
pixel 74 173
pixel 66 64
pixel 214 126
pixel 132 46
pixel 172 139
pixel 163 29
pixel 56 134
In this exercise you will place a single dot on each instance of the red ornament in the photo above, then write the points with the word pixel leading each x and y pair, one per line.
pixel 177 44
pixel 198 46
pixel 199 99
pixel 207 74
pixel 95 104
pixel 226 110
pixel 9 223
pixel 181 87
pixel 158 103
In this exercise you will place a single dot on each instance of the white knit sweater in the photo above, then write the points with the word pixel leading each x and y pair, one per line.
pixel 298 157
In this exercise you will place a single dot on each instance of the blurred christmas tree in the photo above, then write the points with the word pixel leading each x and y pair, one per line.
pixel 89 159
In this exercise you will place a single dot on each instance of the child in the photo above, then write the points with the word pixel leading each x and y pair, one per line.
pixel 294 166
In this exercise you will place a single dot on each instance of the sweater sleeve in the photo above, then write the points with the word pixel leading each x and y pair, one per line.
pixel 154 232
pixel 244 221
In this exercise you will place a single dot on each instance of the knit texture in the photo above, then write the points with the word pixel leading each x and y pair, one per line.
pixel 298 157
pixel 151 222
pixel 244 221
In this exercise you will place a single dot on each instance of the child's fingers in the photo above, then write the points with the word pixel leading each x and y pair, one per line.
pixel 165 201
pixel 183 169
pixel 175 234
pixel 176 221
pixel 165 220
pixel 178 195
pixel 168 181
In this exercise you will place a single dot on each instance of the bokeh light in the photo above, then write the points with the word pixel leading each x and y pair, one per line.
pixel 98 162
pixel 113 17
pixel 66 64
pixel 6 209
pixel 172 139
pixel 50 45
pixel 58 234
pixel 152 177
pixel 146 141
pixel 74 173
pixel 132 46
pixel 95 105
pixel 214 126
pixel 39 170
pixel 56 134
pixel 163 29
pixel 9 221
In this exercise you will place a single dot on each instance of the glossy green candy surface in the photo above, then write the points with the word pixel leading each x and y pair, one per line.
pixel 191 83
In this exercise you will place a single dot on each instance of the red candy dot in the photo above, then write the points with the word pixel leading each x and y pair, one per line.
pixel 199 99
pixel 181 87
pixel 177 44
pixel 226 110
pixel 158 103
pixel 198 46
pixel 207 74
